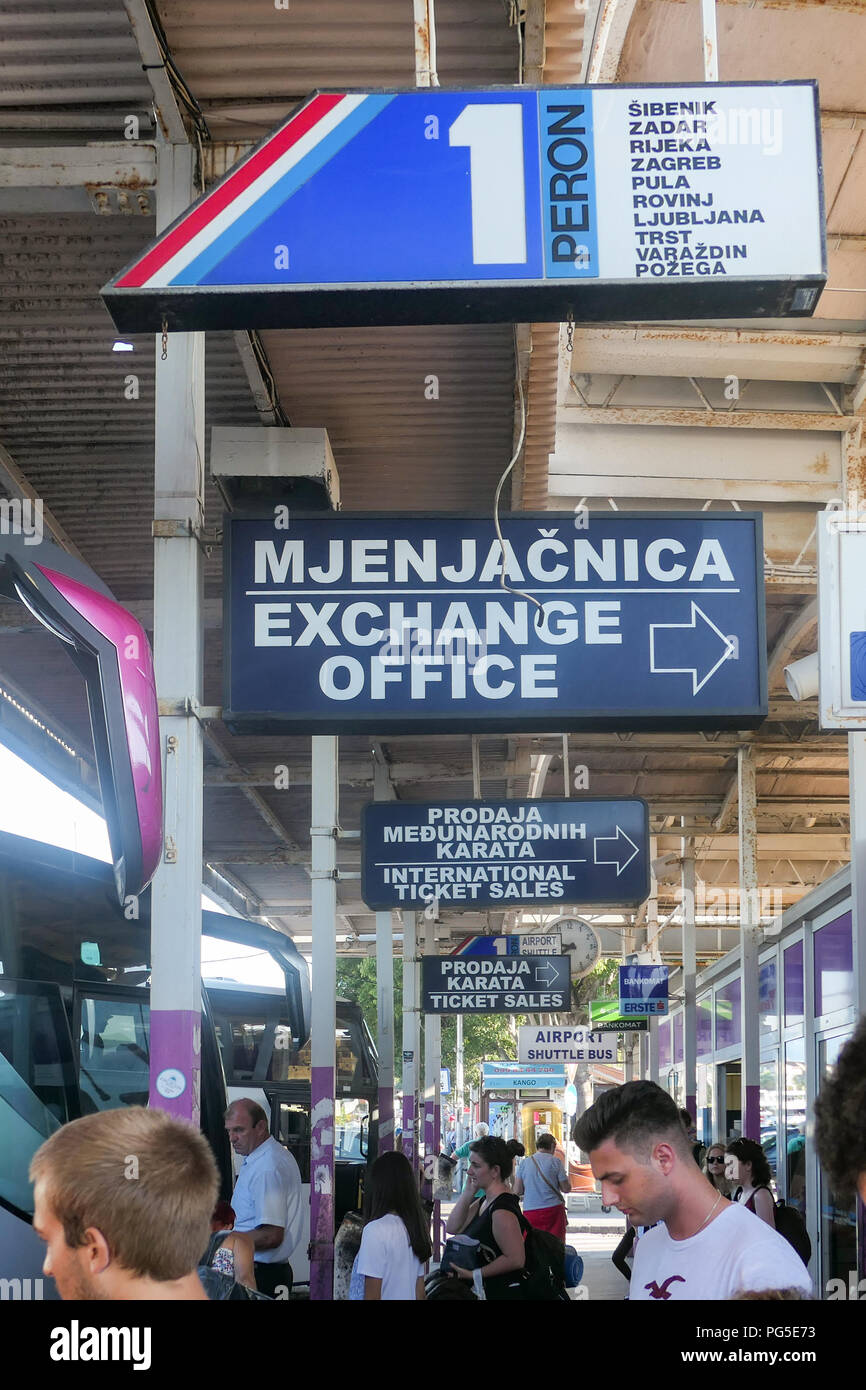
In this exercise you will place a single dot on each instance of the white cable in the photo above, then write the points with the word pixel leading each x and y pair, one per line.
pixel 515 456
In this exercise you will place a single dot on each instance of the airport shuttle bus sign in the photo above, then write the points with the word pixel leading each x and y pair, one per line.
pixel 503 985
pixel 473 854
pixel 395 624
pixel 435 206
pixel 566 1046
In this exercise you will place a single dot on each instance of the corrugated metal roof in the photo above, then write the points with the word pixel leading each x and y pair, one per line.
pixel 247 78
pixel 67 68
pixel 395 443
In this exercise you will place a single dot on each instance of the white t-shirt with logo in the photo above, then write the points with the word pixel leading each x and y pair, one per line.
pixel 386 1254
pixel 737 1250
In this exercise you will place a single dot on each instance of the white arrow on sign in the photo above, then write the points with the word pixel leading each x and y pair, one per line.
pixel 729 649
pixel 549 975
pixel 615 840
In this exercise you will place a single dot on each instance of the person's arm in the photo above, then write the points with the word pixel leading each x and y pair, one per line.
pixel 517 1183
pixel 460 1212
pixel 765 1207
pixel 271 1198
pixel 372 1289
pixel 564 1184
pixel 419 1288
pixel 243 1251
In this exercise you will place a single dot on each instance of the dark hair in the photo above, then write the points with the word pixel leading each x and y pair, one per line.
pixel 750 1152
pixel 391 1189
pixel 840 1116
pixel 224 1213
pixel 515 1148
pixel 687 1119
pixel 634 1116
pixel 253 1109
pixel 495 1153
pixel 546 1142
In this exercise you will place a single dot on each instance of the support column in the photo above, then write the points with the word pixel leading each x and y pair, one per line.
pixel 459 1083
pixel 432 1097
pixel 653 1049
pixel 385 1038
pixel 323 839
pixel 690 1011
pixel 175 993
pixel 750 940
pixel 411 1035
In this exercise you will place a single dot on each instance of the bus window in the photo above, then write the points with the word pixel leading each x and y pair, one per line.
pixel 37 1080
pixel 293 1130
pixel 352 1121
pixel 113 1052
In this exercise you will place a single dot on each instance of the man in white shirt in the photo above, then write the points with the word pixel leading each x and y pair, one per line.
pixel 704 1246
pixel 267 1199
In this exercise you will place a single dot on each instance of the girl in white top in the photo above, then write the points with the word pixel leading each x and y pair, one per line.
pixel 395 1244
pixel 746 1164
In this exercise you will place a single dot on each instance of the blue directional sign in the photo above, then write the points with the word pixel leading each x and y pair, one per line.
pixel 510 203
pixel 391 624
pixel 477 854
pixel 643 990
pixel 522 1076
pixel 505 985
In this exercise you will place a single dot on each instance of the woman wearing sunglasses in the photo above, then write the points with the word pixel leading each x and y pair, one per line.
pixel 714 1167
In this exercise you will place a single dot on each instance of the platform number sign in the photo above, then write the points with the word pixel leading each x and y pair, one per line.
pixel 436 206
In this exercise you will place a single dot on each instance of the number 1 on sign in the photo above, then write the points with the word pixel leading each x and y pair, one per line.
pixel 494 135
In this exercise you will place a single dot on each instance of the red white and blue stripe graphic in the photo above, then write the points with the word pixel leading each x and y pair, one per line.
pixel 217 224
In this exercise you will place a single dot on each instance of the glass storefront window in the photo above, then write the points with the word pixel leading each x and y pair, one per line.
pixel 728 1015
pixel 838 1214
pixel 834 966
pixel 769 1101
pixel 705 1025
pixel 794 984
pixel 678 1038
pixel 665 1044
pixel 705 1104
pixel 768 1008
pixel 794 1102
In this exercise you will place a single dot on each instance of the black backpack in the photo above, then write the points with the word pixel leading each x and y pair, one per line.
pixel 790 1224
pixel 544 1280
pixel 221 1287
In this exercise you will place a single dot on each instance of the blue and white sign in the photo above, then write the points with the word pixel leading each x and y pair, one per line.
pixel 517 944
pixel 391 624
pixel 445 1081
pixel 643 990
pixel 518 204
pixel 842 617
pixel 471 854
pixel 520 1076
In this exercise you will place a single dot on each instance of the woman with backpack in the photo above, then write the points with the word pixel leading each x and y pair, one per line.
pixel 541 1180
pixel 746 1164
pixel 494 1219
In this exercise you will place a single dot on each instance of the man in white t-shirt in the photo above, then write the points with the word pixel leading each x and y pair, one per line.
pixel 705 1247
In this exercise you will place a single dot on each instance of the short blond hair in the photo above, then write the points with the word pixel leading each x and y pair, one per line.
pixel 146 1181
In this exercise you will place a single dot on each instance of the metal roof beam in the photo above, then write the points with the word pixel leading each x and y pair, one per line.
pixel 166 105
pixel 13 481
pixel 693 416
pixel 126 164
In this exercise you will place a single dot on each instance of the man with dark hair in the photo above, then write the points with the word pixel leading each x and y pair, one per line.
pixel 703 1247
pixel 840 1119
pixel 123 1200
pixel 268 1196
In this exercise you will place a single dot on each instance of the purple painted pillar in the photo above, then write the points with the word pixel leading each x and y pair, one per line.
pixel 322 1183
pixel 175 1063
pixel 409 1127
pixel 427 1182
pixel 437 1206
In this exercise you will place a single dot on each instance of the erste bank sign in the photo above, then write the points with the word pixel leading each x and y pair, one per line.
pixel 390 624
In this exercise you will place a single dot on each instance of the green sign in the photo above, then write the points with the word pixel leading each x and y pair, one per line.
pixel 606 1011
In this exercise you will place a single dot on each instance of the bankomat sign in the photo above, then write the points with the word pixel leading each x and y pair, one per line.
pixel 390 624
pixel 643 990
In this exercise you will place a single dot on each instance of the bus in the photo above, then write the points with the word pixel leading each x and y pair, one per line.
pixel 74 1017
pixel 262 1061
